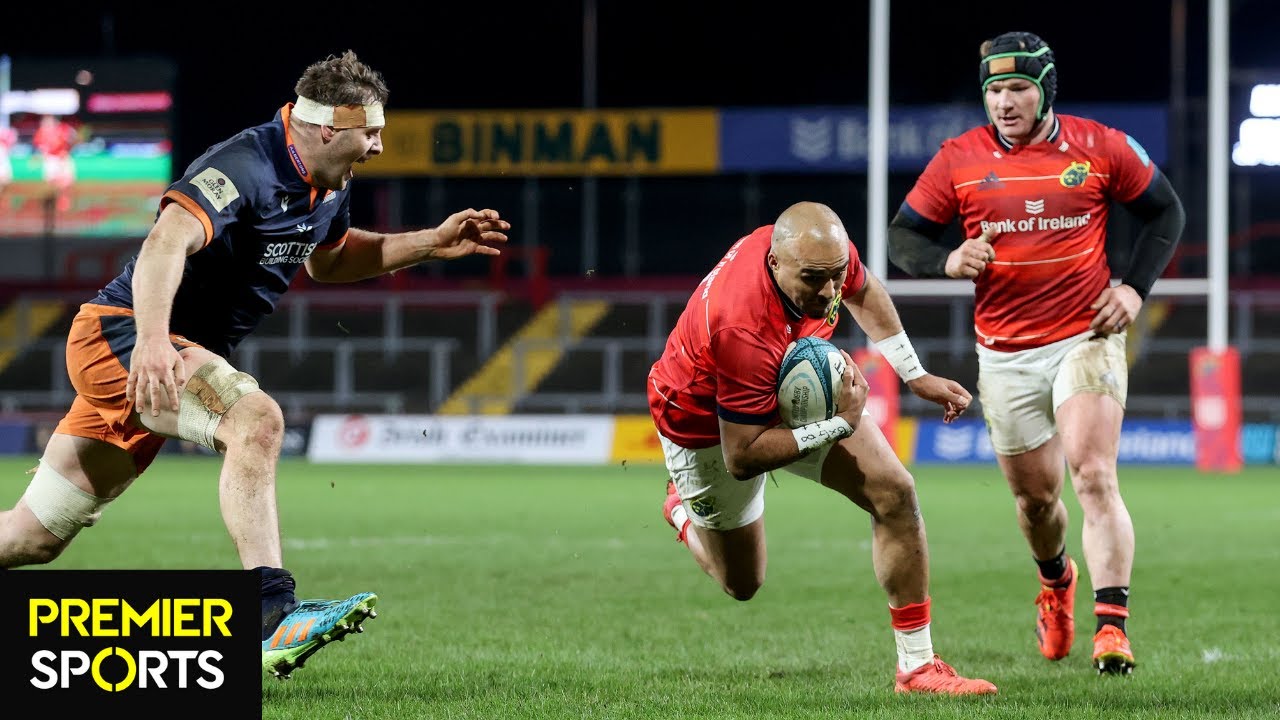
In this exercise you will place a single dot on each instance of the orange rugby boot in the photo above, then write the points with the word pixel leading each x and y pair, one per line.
pixel 940 678
pixel 1055 622
pixel 1111 652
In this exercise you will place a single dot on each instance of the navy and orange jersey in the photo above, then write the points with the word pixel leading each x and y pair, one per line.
pixel 722 358
pixel 262 218
pixel 1047 206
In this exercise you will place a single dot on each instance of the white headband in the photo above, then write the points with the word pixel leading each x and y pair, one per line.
pixel 341 117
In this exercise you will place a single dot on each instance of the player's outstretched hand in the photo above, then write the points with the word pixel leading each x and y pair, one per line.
pixel 156 375
pixel 1117 308
pixel 971 258
pixel 950 394
pixel 469 232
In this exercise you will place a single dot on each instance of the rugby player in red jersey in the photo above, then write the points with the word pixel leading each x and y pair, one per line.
pixel 54 139
pixel 713 398
pixel 148 355
pixel 1032 191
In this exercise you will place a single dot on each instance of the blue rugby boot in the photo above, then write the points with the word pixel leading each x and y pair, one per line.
pixel 311 626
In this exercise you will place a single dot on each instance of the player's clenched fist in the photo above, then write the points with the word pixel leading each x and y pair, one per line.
pixel 971 258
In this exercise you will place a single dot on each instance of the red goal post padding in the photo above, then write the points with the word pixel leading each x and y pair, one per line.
pixel 1216 413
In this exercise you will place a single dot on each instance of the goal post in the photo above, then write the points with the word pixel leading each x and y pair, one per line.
pixel 1216 411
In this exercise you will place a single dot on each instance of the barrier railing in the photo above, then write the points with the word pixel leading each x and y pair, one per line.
pixel 335 380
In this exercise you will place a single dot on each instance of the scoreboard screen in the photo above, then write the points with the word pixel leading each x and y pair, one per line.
pixel 89 145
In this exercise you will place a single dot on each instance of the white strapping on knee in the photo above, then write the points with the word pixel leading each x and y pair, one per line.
pixel 59 505
pixel 207 396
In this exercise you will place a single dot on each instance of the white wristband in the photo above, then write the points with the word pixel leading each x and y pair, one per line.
pixel 901 355
pixel 822 433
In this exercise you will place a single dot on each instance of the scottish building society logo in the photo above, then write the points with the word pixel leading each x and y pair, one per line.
pixel 131 641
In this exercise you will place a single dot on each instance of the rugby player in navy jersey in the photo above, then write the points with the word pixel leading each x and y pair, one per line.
pixel 148 355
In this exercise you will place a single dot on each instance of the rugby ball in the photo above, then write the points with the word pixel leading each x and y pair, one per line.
pixel 808 381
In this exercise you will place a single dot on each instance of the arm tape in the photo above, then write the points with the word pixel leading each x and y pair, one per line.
pixel 820 434
pixel 897 349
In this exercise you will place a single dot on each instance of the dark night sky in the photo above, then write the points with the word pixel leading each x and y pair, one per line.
pixel 235 67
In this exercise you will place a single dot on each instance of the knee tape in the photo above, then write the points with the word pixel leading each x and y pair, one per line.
pixel 59 505
pixel 208 395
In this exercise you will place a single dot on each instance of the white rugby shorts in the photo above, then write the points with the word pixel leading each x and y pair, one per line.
pixel 713 497
pixel 1020 391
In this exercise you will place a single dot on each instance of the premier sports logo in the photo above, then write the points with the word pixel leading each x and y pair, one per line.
pixel 114 617
pixel 76 642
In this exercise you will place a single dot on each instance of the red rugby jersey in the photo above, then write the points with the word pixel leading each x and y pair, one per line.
pixel 54 140
pixel 1048 204
pixel 722 358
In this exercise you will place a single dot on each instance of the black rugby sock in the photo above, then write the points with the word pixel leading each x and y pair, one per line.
pixel 277 598
pixel 1111 605
pixel 1053 569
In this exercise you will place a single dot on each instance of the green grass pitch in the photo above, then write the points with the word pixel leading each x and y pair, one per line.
pixel 559 592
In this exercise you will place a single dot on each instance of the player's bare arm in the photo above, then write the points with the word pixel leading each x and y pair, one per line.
pixel 872 308
pixel 156 371
pixel 753 449
pixel 367 254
